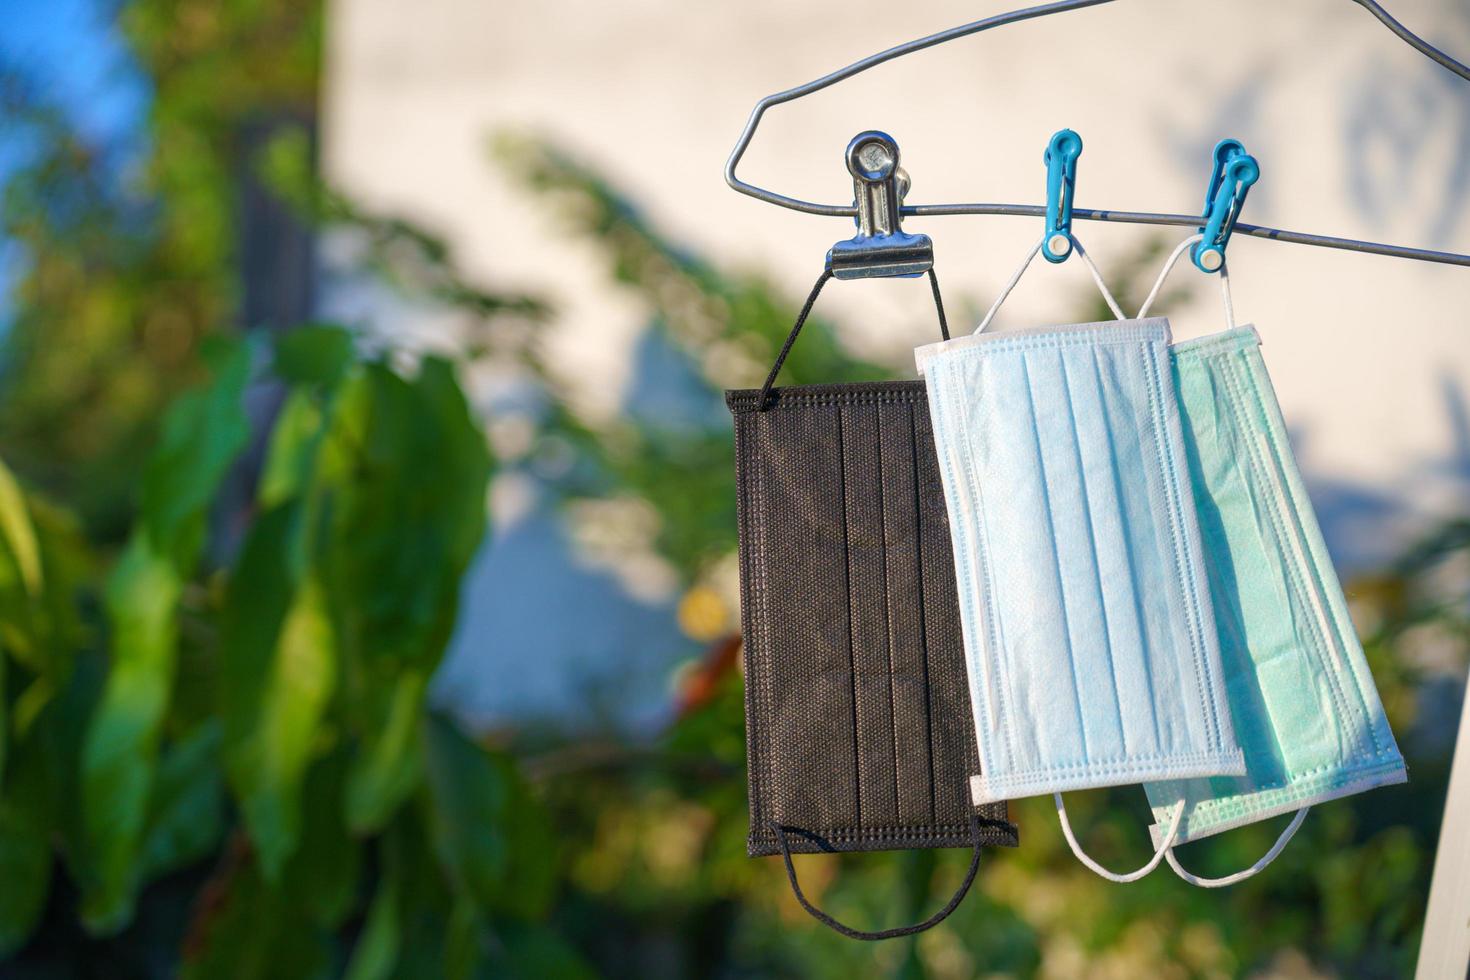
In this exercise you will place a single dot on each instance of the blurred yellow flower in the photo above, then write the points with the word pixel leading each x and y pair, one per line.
pixel 703 615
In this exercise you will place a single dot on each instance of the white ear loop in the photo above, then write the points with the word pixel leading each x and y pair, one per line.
pixel 1165 847
pixel 1253 870
pixel 1153 294
pixel 1026 264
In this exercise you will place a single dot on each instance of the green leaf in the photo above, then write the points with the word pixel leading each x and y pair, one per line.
pixel 322 875
pixel 301 686
pixel 314 354
pixel 39 619
pixel 118 757
pixel 388 768
pixel 25 854
pixel 407 469
pixel 464 456
pixel 4 719
pixel 425 905
pixel 410 470
pixel 291 455
pixel 408 510
pixel 186 817
pixel 40 623
pixel 18 534
pixel 261 588
pixel 20 589
pixel 202 434
pixel 30 702
pixel 529 951
pixel 376 952
pixel 464 941
pixel 492 837
pixel 52 748
pixel 257 934
pixel 278 671
pixel 38 802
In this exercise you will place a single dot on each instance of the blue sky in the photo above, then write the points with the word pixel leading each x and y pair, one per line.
pixel 71 52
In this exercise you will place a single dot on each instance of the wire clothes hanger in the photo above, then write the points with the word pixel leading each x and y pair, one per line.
pixel 1090 214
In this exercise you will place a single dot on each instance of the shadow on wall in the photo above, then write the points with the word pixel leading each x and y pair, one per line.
pixel 1402 130
pixel 1391 132
pixel 546 640
pixel 1366 528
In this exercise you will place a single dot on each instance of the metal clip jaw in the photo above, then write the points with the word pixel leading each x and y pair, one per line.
pixel 1061 182
pixel 1234 172
pixel 881 248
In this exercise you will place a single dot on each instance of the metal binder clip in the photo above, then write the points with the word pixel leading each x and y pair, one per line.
pixel 1061 182
pixel 881 247
pixel 1234 172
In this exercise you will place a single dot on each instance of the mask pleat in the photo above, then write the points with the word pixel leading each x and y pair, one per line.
pixel 913 772
pixel 1032 606
pixel 872 685
pixel 1005 740
pixel 1096 550
pixel 1167 669
pixel 1324 667
pixel 1173 668
pixel 1247 589
pixel 948 711
pixel 1118 573
pixel 816 683
pixel 1344 650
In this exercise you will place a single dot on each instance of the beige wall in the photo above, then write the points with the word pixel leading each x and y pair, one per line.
pixel 1363 349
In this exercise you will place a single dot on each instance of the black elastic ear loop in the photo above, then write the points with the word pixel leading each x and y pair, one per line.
pixel 806 310
pixel 894 933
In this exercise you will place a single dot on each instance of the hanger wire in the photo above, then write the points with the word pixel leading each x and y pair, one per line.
pixel 1087 214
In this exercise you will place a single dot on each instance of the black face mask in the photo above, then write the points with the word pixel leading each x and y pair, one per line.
pixel 858 725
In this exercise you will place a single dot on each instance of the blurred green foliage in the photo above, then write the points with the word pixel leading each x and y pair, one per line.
pixel 221 762
pixel 290 683
pixel 127 273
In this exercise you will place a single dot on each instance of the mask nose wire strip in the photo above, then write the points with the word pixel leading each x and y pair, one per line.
pixel 1026 264
pixel 1253 870
pixel 1164 847
pixel 1179 249
pixel 909 930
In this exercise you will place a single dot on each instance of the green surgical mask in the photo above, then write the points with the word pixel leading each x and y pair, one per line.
pixel 1302 699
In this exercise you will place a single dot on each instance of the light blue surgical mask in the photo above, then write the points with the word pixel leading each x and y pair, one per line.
pixel 1301 696
pixel 1089 633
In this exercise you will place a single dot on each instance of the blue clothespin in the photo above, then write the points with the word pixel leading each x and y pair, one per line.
pixel 1234 172
pixel 1061 181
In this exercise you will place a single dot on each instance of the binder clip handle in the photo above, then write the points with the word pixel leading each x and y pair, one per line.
pixel 1231 178
pixel 1061 183
pixel 881 247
